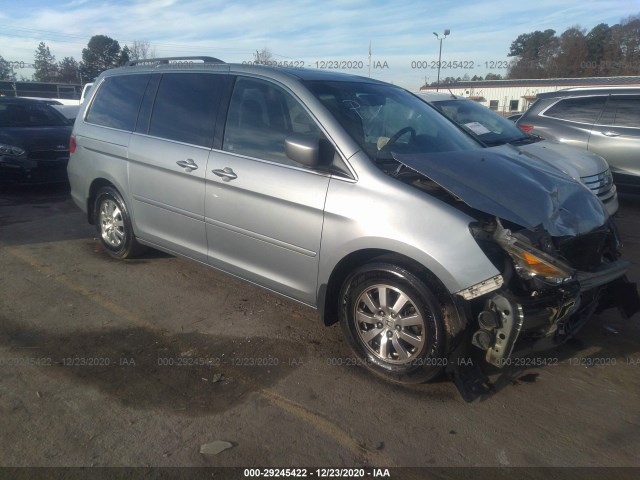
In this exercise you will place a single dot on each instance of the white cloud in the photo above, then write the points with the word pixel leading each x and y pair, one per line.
pixel 306 30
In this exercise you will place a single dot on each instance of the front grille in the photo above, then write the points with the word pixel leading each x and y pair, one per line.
pixel 600 184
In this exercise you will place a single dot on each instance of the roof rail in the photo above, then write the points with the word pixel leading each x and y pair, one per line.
pixel 166 60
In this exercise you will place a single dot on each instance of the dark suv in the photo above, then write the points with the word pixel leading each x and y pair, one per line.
pixel 605 121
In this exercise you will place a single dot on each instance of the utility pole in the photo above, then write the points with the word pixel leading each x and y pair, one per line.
pixel 446 33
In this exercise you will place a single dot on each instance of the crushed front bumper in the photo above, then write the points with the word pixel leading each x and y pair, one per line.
pixel 551 318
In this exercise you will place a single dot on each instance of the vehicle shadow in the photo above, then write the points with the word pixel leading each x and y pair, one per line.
pixel 31 214
pixel 40 213
pixel 14 195
pixel 191 373
pixel 148 254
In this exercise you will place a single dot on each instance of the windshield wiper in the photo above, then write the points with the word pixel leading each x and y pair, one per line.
pixel 525 140
pixel 493 143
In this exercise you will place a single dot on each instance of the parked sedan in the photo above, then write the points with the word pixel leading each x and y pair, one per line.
pixel 495 130
pixel 34 142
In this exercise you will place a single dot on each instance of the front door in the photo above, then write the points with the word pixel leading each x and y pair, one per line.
pixel 264 212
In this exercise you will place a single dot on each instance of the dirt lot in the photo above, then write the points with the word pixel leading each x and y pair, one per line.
pixel 106 363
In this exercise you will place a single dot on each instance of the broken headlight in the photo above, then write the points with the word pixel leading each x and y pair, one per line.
pixel 530 262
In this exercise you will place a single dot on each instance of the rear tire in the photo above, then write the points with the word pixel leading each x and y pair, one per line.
pixel 394 323
pixel 114 225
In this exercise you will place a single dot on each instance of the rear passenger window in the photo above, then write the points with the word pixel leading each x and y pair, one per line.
pixel 583 110
pixel 117 102
pixel 186 107
pixel 260 117
pixel 622 111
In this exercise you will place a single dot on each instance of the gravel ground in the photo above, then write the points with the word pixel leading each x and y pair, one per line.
pixel 141 363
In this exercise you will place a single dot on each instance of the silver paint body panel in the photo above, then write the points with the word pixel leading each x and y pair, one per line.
pixel 283 227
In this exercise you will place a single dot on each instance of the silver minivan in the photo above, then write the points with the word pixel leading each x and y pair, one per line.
pixel 493 129
pixel 351 196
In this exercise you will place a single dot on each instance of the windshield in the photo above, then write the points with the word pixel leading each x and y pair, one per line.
pixel 383 119
pixel 492 128
pixel 36 114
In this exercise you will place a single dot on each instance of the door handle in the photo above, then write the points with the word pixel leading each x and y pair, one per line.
pixel 609 133
pixel 189 165
pixel 226 174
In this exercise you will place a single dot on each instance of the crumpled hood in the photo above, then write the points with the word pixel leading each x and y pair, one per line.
pixel 511 187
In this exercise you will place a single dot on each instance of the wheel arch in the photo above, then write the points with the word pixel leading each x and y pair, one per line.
pixel 122 242
pixel 328 294
pixel 94 188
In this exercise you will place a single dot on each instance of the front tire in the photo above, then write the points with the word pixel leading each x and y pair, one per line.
pixel 114 225
pixel 394 323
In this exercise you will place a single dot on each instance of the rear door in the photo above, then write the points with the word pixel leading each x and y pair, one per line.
pixel 168 157
pixel 570 120
pixel 264 212
pixel 616 137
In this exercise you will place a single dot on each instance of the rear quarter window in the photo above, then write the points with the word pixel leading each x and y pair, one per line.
pixel 582 110
pixel 117 102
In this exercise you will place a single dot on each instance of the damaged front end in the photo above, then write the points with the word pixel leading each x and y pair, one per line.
pixel 551 286
pixel 550 238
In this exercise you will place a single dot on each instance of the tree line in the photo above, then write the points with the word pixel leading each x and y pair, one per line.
pixel 102 52
pixel 603 51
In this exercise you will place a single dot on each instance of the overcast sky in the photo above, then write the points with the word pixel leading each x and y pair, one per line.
pixel 311 31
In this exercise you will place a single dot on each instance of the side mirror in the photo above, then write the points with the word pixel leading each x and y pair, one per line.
pixel 303 149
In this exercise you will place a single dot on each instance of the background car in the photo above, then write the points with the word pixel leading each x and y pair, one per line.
pixel 69 111
pixel 493 129
pixel 34 142
pixel 605 121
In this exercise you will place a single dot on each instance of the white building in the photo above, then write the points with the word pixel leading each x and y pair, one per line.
pixel 514 96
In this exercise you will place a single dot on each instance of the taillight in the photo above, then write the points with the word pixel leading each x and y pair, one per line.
pixel 526 128
pixel 72 144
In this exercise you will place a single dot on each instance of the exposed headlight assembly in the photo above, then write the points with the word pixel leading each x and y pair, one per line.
pixel 531 262
pixel 10 150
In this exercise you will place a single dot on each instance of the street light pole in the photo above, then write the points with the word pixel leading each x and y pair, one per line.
pixel 446 32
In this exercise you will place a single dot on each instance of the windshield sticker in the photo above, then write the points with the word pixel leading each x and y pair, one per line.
pixel 477 128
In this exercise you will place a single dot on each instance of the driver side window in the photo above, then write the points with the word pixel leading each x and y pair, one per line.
pixel 261 116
